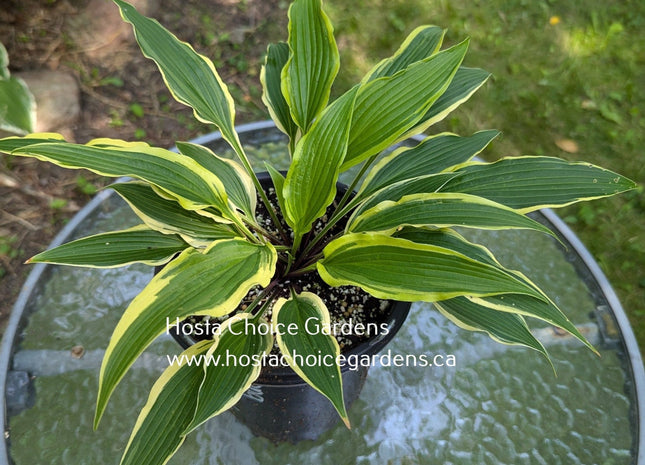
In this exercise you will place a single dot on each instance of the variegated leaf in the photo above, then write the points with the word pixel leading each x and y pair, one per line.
pixel 531 183
pixel 117 248
pixel 168 217
pixel 313 62
pixel 308 314
pixel 210 283
pixel 155 439
pixel 442 210
pixel 394 268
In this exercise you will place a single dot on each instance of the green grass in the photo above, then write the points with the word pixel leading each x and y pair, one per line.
pixel 8 250
pixel 581 79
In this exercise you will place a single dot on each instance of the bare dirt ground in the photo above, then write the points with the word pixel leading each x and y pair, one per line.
pixel 121 96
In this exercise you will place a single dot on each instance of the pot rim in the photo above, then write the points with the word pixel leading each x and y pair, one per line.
pixel 285 375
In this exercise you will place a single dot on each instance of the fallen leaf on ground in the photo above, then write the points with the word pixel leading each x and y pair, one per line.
pixel 567 145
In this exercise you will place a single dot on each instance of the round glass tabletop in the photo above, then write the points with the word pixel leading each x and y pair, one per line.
pixel 457 397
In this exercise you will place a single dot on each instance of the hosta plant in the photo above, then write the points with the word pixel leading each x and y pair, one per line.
pixel 198 216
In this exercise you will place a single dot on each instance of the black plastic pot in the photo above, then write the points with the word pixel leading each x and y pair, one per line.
pixel 282 407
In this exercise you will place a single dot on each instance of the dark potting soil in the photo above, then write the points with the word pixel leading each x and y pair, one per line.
pixel 355 315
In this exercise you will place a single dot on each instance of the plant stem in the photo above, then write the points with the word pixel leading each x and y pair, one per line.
pixel 332 222
pixel 259 229
pixel 292 146
pixel 357 178
pixel 302 271
pixel 294 249
pixel 310 265
pixel 317 251
pixel 267 295
pixel 244 230
pixel 235 143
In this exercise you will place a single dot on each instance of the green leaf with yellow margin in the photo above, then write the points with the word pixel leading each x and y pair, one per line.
pixel 463 85
pixel 271 79
pixel 9 144
pixel 388 107
pixel 237 183
pixel 313 62
pixel 154 439
pixel 449 239
pixel 426 184
pixel 168 217
pixel 541 308
pixel 531 183
pixel 318 157
pixel 507 328
pixel 209 283
pixel 433 155
pixel 544 309
pixel 395 268
pixel 193 185
pixel 139 244
pixel 423 42
pixel 442 210
pixel 308 314
pixel 191 78
pixel 237 355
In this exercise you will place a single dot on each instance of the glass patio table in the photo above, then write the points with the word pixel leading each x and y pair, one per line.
pixel 497 404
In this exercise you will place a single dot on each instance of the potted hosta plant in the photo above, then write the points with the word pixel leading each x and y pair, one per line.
pixel 240 256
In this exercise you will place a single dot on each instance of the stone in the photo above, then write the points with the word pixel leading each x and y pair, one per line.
pixel 58 99
pixel 20 393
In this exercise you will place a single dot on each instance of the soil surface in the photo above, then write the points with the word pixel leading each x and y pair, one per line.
pixel 122 96
pixel 355 316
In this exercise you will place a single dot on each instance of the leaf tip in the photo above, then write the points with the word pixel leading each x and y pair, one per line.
pixel 97 420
